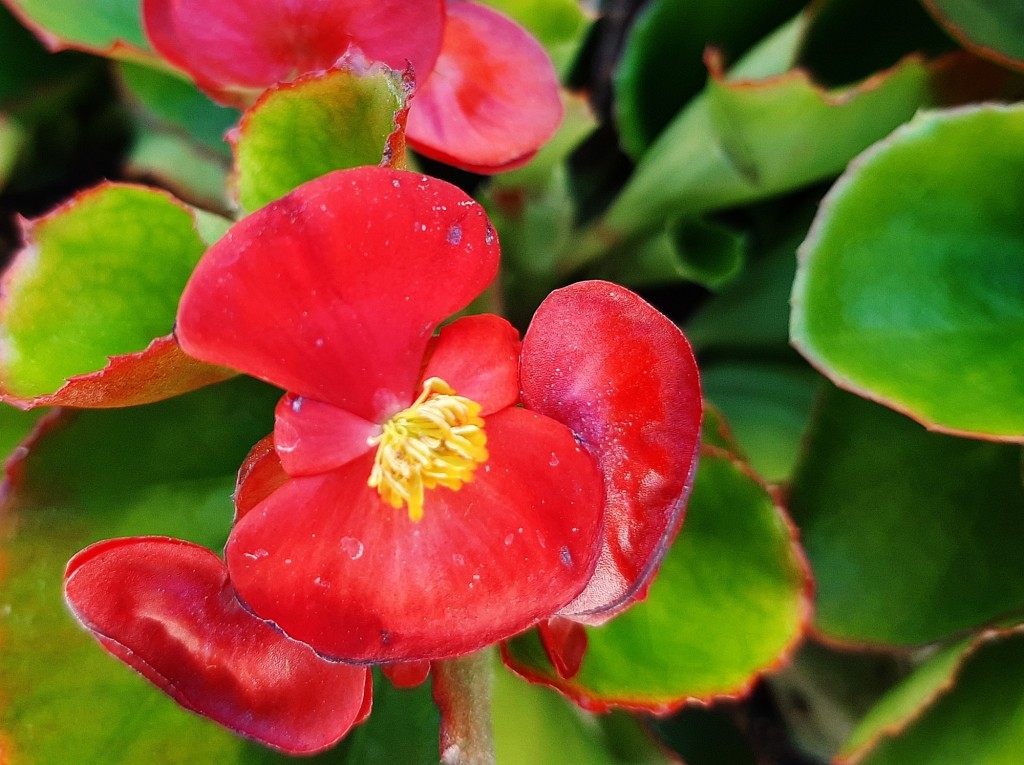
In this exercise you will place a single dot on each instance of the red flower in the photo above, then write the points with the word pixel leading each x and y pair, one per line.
pixel 487 96
pixel 424 495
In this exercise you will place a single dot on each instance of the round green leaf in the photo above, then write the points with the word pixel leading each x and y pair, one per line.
pixel 167 469
pixel 729 602
pixel 910 288
pixel 912 536
pixel 325 121
pixel 990 28
pixel 98 277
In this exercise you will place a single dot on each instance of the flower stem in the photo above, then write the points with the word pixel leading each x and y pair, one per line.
pixel 462 691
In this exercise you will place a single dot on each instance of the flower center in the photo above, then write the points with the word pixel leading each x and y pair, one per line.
pixel 438 441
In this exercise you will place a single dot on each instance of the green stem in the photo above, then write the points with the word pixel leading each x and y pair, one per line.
pixel 462 691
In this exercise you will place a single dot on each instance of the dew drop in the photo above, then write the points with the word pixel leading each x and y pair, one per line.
pixel 554 460
pixel 455 234
pixel 352 547
pixel 319 582
pixel 509 539
pixel 489 234
pixel 319 342
pixel 566 557
pixel 287 561
pixel 458 560
pixel 396 183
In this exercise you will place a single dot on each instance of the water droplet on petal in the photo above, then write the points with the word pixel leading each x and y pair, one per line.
pixel 509 539
pixel 297 403
pixel 566 557
pixel 352 547
pixel 554 460
pixel 455 234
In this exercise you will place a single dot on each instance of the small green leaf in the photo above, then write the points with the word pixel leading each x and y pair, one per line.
pixel 11 140
pixel 180 165
pixel 979 720
pixel 98 277
pixel 110 27
pixel 728 602
pixel 990 28
pixel 911 283
pixel 912 536
pixel 318 123
pixel 163 469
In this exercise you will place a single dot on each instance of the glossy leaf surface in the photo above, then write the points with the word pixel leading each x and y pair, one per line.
pixel 912 536
pixel 321 122
pixel 79 293
pixel 908 288
pixel 729 602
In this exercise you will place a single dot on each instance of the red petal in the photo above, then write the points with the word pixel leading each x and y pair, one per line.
pixel 492 99
pixel 260 476
pixel 165 608
pixel 407 674
pixel 158 372
pixel 253 44
pixel 333 565
pixel 333 291
pixel 312 437
pixel 565 643
pixel 479 357
pixel 602 361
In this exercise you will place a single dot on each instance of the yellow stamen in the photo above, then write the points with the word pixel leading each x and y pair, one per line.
pixel 438 441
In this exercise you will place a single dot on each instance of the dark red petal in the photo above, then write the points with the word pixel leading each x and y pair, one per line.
pixel 326 559
pixel 492 99
pixel 260 476
pixel 313 437
pixel 602 361
pixel 333 291
pixel 407 674
pixel 253 44
pixel 165 608
pixel 565 643
pixel 479 357
pixel 159 371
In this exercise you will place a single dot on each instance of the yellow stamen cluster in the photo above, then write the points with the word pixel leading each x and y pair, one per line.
pixel 438 441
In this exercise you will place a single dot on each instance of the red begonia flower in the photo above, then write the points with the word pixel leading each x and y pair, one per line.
pixel 487 96
pixel 165 608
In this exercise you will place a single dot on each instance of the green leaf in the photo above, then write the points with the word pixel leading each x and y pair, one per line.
pixel 164 469
pixel 180 165
pixel 662 65
pixel 728 603
pixel 26 62
pixel 15 427
pixel 911 283
pixel 912 536
pixel 558 25
pixel 980 720
pixel 990 28
pixel 111 27
pixel 11 141
pixel 767 405
pixel 179 105
pixel 98 277
pixel 318 123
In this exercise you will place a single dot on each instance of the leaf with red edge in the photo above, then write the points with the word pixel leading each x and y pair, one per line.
pixel 112 27
pixel 96 281
pixel 963 705
pixel 622 377
pixel 730 602
pixel 504 551
pixel 333 291
pixel 166 608
pixel 991 28
pixel 249 45
pixel 166 469
pixel 492 99
pixel 323 121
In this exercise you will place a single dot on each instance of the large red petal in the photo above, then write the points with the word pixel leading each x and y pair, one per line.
pixel 334 566
pixel 165 608
pixel 333 291
pixel 602 361
pixel 260 475
pixel 253 44
pixel 492 99
pixel 479 357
